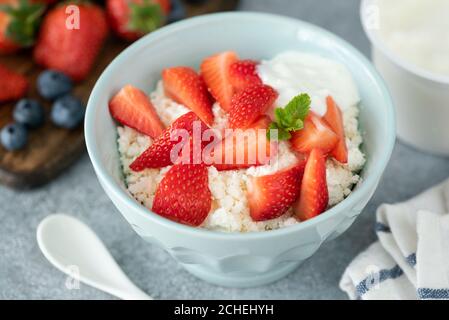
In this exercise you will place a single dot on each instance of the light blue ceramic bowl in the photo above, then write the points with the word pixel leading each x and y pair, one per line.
pixel 236 260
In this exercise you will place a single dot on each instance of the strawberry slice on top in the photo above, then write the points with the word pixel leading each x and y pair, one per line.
pixel 314 196
pixel 186 87
pixel 131 107
pixel 183 195
pixel 245 148
pixel 249 104
pixel 215 72
pixel 315 134
pixel 243 74
pixel 334 118
pixel 160 154
pixel 270 196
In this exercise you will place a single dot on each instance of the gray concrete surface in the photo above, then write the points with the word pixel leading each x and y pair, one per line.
pixel 25 274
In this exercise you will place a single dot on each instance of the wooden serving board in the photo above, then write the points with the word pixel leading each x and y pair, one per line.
pixel 50 150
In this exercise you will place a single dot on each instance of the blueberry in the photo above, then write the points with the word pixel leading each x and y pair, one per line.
pixel 29 112
pixel 178 11
pixel 52 84
pixel 67 112
pixel 14 136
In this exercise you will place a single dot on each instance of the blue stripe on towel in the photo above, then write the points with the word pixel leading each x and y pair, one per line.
pixel 427 293
pixel 411 259
pixel 369 282
pixel 380 227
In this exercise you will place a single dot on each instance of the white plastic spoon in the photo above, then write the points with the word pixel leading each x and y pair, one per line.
pixel 71 245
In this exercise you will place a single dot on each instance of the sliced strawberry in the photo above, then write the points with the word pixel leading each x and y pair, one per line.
pixel 159 154
pixel 270 196
pixel 215 72
pixel 186 87
pixel 334 118
pixel 183 194
pixel 245 148
pixel 13 85
pixel 131 107
pixel 243 74
pixel 315 134
pixel 314 196
pixel 249 104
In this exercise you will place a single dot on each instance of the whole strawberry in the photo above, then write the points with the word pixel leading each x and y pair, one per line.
pixel 13 85
pixel 19 20
pixel 69 44
pixel 45 1
pixel 131 19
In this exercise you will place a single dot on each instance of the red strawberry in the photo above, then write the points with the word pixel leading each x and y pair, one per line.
pixel 334 118
pixel 243 74
pixel 183 194
pixel 315 134
pixel 249 104
pixel 270 196
pixel 252 148
pixel 186 87
pixel 44 1
pixel 131 107
pixel 215 72
pixel 158 155
pixel 71 50
pixel 7 45
pixel 132 19
pixel 314 196
pixel 19 21
pixel 13 86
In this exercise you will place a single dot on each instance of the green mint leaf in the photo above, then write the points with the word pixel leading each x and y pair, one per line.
pixel 291 117
pixel 271 127
pixel 298 107
pixel 287 122
pixel 297 125
pixel 281 117
pixel 282 134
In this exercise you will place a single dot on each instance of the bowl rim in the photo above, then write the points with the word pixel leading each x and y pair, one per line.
pixel 378 43
pixel 369 183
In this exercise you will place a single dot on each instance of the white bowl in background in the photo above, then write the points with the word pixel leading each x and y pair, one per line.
pixel 421 97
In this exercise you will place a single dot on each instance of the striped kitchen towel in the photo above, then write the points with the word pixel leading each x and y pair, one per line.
pixel 411 258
